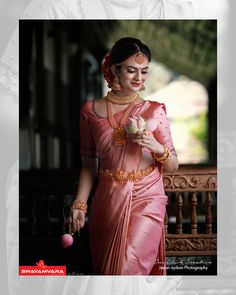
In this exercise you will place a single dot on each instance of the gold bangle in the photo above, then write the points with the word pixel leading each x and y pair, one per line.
pixel 164 156
pixel 79 205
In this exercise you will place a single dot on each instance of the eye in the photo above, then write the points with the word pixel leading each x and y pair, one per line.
pixel 131 71
pixel 144 72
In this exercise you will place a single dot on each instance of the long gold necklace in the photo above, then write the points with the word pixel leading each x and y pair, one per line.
pixel 124 99
pixel 118 135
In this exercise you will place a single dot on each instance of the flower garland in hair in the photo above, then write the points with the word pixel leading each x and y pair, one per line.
pixel 106 69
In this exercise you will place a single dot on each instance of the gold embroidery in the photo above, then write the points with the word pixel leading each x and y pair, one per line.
pixel 124 176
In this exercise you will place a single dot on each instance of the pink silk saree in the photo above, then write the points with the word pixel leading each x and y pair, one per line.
pixel 126 220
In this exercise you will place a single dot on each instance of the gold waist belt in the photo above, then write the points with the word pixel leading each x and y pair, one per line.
pixel 124 176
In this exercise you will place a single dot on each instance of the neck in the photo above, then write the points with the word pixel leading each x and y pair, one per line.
pixel 122 99
pixel 123 92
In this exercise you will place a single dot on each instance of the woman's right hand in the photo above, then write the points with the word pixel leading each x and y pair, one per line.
pixel 76 220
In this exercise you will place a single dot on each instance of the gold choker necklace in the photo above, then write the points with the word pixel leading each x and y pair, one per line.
pixel 125 99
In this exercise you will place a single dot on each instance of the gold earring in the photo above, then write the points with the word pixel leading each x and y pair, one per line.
pixel 116 84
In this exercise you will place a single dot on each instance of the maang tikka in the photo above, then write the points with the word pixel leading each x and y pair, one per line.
pixel 139 57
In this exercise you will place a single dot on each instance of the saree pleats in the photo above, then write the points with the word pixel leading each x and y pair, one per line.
pixel 126 226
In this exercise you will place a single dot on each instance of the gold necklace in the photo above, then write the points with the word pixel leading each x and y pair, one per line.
pixel 119 130
pixel 125 99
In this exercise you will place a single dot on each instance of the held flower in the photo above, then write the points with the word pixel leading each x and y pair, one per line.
pixel 141 123
pixel 136 125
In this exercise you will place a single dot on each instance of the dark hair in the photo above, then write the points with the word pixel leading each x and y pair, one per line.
pixel 126 47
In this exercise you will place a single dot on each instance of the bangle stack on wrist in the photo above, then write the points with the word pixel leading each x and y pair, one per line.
pixel 166 154
pixel 79 205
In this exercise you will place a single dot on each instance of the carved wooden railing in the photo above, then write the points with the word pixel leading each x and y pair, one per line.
pixel 190 222
pixel 196 189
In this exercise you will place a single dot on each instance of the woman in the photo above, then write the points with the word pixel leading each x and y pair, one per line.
pixel 131 138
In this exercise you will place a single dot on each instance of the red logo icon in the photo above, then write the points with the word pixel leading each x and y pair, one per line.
pixel 41 264
pixel 41 269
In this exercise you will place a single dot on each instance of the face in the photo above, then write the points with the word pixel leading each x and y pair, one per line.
pixel 132 75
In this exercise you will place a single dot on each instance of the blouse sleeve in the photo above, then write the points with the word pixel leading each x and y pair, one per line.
pixel 163 132
pixel 87 145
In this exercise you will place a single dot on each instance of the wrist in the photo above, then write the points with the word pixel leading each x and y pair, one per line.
pixel 77 204
pixel 164 156
pixel 159 151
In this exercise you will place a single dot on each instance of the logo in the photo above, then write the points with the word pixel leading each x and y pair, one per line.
pixel 41 264
pixel 42 269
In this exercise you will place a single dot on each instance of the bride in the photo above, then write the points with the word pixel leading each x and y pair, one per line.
pixel 73 9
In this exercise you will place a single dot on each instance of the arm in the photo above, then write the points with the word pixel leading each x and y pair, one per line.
pixel 86 178
pixel 87 175
pixel 149 141
pixel 159 138
pixel 163 137
pixel 171 165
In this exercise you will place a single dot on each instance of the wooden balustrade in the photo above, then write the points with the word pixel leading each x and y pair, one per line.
pixel 209 214
pixel 197 183
pixel 190 221
pixel 179 216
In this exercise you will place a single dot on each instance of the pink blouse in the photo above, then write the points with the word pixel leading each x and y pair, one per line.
pixel 96 133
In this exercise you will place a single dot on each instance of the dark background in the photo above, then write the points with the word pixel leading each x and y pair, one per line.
pixel 60 70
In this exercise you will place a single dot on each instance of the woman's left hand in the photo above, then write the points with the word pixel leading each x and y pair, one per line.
pixel 146 139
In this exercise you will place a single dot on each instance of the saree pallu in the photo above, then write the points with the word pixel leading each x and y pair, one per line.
pixel 126 219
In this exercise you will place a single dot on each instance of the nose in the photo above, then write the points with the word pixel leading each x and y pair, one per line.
pixel 138 75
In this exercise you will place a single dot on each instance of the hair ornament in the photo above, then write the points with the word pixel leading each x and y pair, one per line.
pixel 106 69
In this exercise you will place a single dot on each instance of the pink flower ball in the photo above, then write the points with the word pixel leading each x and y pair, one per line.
pixel 66 240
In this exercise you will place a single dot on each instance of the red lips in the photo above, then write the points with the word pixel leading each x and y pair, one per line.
pixel 135 84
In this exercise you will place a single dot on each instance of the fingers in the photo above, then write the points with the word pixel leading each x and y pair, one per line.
pixel 76 221
pixel 142 141
pixel 145 135
pixel 82 221
pixel 78 225
pixel 73 224
pixel 142 136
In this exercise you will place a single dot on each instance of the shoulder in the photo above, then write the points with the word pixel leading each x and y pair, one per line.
pixel 86 105
pixel 99 101
pixel 86 108
pixel 155 105
pixel 89 106
pixel 155 109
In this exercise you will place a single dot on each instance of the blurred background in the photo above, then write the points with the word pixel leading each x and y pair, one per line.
pixel 60 70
